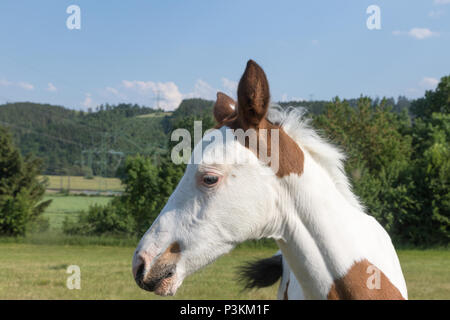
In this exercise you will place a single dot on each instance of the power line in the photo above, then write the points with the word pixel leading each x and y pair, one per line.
pixel 43 134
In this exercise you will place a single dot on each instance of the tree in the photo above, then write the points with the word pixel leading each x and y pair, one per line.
pixel 434 101
pixel 148 188
pixel 110 219
pixel 378 155
pixel 21 192
pixel 430 223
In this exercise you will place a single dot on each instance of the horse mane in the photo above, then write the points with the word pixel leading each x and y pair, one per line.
pixel 328 156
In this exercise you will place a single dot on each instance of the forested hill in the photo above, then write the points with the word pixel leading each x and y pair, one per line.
pixel 82 143
pixel 96 143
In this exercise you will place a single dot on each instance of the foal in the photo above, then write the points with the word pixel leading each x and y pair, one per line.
pixel 296 193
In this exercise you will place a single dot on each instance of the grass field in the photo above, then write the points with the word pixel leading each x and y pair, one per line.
pixel 154 115
pixel 35 267
pixel 81 183
pixel 62 206
pixel 39 272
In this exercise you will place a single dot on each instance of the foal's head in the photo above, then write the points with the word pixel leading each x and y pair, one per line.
pixel 227 195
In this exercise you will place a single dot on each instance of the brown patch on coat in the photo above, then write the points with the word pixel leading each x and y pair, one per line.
pixel 290 156
pixel 286 291
pixel 169 257
pixel 354 285
pixel 252 106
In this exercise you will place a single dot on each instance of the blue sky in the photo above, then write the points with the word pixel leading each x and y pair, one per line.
pixel 128 51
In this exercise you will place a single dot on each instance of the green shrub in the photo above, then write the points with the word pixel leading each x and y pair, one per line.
pixel 88 173
pixel 147 190
pixel 109 219
pixel 41 224
pixel 148 187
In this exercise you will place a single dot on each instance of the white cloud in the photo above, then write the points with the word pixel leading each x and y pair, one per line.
pixel 112 90
pixel 51 87
pixel 422 33
pixel 22 84
pixel 230 87
pixel 166 95
pixel 204 90
pixel 169 95
pixel 417 33
pixel 26 85
pixel 315 42
pixel 115 94
pixel 142 86
pixel 436 13
pixel 286 98
pixel 167 92
pixel 87 103
pixel 429 83
pixel 441 1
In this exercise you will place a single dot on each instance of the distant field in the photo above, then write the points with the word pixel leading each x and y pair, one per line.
pixel 39 272
pixel 62 206
pixel 81 183
pixel 154 115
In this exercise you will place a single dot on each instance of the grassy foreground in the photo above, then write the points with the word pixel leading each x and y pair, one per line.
pixel 39 272
pixel 30 271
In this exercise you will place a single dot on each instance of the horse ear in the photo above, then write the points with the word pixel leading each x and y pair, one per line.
pixel 253 95
pixel 224 107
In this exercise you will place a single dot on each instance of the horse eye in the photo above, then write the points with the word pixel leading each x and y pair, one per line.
pixel 210 180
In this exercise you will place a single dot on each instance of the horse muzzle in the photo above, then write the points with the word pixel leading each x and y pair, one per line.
pixel 159 274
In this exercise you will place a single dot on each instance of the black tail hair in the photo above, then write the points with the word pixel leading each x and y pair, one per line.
pixel 261 273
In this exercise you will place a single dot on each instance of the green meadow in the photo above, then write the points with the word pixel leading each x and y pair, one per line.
pixel 35 267
pixel 82 183
pixel 29 271
pixel 64 206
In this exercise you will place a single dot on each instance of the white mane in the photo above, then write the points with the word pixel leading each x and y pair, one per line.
pixel 328 156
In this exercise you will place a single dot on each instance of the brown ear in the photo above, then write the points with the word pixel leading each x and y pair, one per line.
pixel 224 107
pixel 253 95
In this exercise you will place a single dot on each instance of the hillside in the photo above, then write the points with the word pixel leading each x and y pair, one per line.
pixel 95 143
pixel 82 143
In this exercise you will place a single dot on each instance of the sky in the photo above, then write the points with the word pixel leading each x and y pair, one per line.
pixel 156 53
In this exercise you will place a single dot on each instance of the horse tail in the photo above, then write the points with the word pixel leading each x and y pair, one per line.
pixel 261 273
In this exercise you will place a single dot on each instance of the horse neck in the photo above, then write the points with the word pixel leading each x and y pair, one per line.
pixel 319 233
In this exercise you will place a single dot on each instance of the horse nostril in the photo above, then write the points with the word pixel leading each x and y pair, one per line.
pixel 169 272
pixel 140 273
pixel 151 276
